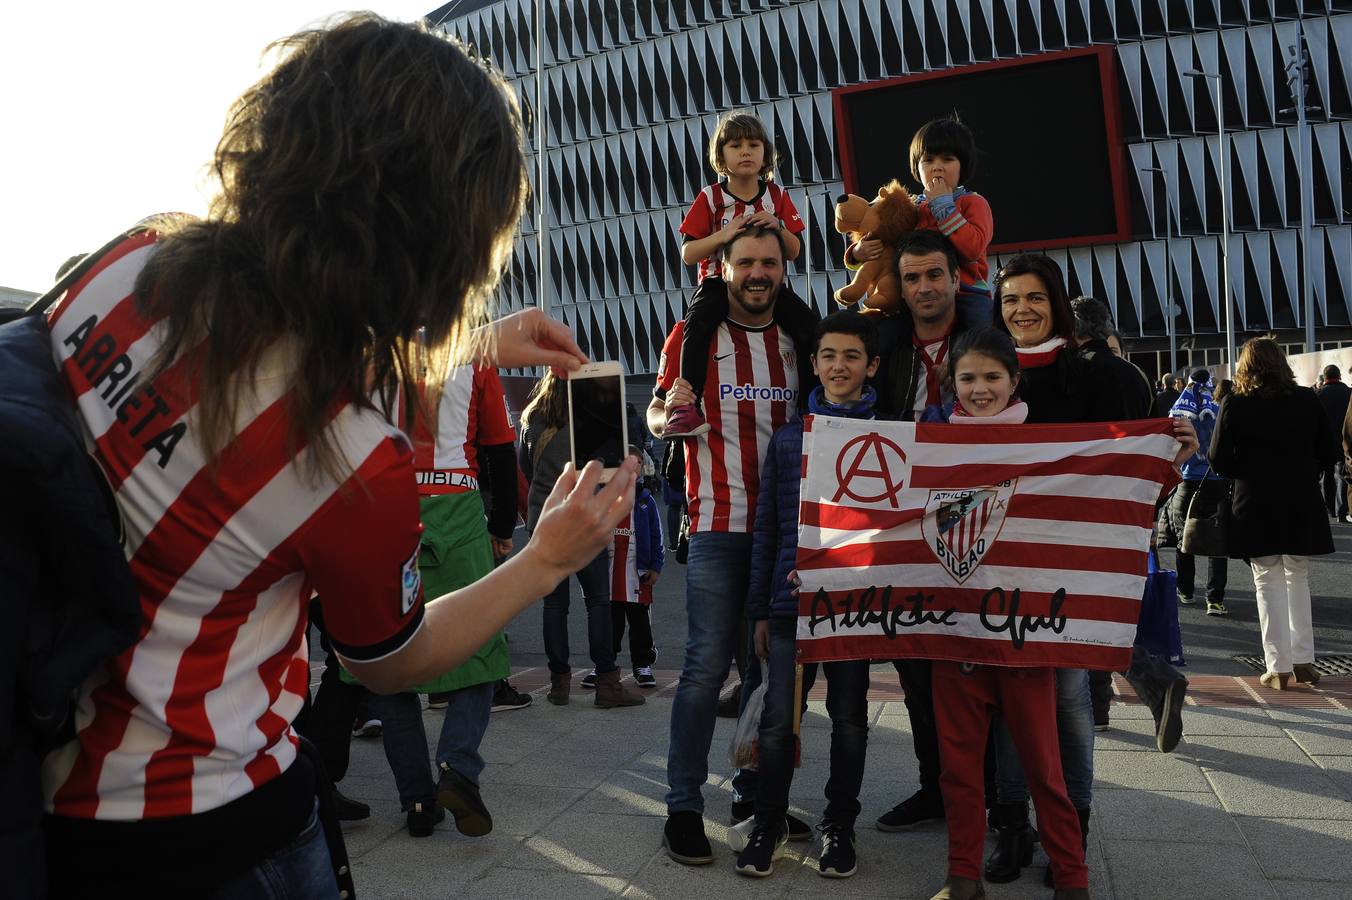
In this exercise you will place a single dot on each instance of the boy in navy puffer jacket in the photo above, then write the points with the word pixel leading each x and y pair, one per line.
pixel 845 355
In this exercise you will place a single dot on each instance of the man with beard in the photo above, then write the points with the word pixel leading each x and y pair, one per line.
pixel 751 389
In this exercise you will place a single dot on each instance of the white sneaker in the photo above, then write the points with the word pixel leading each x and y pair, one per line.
pixel 369 728
pixel 740 833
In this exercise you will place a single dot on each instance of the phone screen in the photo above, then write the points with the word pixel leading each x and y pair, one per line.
pixel 597 411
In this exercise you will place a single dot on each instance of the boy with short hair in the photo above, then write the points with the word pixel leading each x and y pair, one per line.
pixel 845 355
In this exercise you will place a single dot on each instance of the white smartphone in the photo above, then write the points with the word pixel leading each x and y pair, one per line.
pixel 597 425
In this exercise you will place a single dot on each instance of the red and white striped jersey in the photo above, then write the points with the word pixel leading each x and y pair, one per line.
pixel 624 584
pixel 750 391
pixel 197 712
pixel 715 207
pixel 472 410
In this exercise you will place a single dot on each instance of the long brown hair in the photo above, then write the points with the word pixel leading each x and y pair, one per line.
pixel 369 187
pixel 1262 368
pixel 547 405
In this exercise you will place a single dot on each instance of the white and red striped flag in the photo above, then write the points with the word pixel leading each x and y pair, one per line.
pixel 1015 545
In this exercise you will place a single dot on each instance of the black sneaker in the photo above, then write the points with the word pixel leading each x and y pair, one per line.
pixel 506 697
pixel 589 680
pixel 915 809
pixel 765 845
pixel 461 796
pixel 349 810
pixel 838 858
pixel 439 701
pixel 798 830
pixel 731 705
pixel 683 836
pixel 644 678
pixel 423 817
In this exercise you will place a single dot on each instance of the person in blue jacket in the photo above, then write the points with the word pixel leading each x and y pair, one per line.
pixel 1200 481
pixel 846 353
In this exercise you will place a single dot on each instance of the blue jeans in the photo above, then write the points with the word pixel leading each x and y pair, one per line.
pixel 1075 730
pixel 301 870
pixel 717 573
pixel 594 578
pixel 405 739
pixel 846 703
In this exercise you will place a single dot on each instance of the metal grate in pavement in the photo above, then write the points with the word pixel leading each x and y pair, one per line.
pixel 1324 665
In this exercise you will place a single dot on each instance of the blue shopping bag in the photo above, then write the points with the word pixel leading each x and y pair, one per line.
pixel 1157 630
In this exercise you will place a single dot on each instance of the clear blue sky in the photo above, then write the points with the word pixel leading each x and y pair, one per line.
pixel 110 111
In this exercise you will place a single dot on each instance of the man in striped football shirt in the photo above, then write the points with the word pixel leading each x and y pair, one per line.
pixel 750 390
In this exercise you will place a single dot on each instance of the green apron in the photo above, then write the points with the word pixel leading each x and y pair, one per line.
pixel 456 552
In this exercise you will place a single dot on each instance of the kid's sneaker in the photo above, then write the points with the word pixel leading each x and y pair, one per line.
pixel 838 859
pixel 685 422
pixel 765 845
pixel 644 678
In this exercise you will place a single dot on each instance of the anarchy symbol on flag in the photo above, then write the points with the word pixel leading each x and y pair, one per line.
pixel 879 446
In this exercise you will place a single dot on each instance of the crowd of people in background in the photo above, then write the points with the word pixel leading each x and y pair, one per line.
pixel 350 463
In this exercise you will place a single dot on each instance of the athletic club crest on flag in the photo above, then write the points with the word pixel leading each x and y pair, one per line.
pixel 960 526
pixel 1009 545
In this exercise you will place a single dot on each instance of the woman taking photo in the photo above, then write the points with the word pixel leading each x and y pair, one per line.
pixel 1273 439
pixel 235 378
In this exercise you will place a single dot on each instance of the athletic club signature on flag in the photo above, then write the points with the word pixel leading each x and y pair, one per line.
pixel 1020 545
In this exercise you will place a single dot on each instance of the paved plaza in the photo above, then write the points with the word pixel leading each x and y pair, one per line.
pixel 1256 802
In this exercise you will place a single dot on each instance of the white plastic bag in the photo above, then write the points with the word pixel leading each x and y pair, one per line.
pixel 742 752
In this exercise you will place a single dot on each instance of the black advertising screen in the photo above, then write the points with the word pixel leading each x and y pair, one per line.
pixel 1048 136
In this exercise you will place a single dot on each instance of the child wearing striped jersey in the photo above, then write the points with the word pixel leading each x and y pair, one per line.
pixel 943 152
pixel 741 151
pixel 636 558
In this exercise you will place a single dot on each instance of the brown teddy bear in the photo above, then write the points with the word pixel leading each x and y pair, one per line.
pixel 886 219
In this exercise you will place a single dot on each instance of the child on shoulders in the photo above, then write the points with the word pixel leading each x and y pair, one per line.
pixel 740 150
pixel 943 153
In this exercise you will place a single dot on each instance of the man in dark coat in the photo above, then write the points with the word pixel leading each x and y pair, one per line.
pixel 1334 396
pixel 1165 399
pixel 912 385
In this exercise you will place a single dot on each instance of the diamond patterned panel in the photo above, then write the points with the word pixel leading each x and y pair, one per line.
pixel 633 89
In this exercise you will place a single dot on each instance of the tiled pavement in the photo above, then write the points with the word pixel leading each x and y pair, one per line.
pixel 1255 802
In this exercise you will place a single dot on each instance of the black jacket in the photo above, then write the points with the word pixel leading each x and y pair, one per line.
pixel 1273 446
pixel 1334 397
pixel 1085 385
pixel 899 368
pixel 67 599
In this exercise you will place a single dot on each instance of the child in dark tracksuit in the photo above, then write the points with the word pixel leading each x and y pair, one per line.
pixel 636 558
pixel 844 356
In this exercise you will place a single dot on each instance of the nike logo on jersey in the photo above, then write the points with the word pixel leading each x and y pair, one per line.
pixel 724 356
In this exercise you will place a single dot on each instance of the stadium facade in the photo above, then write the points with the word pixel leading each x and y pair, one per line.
pixel 632 91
